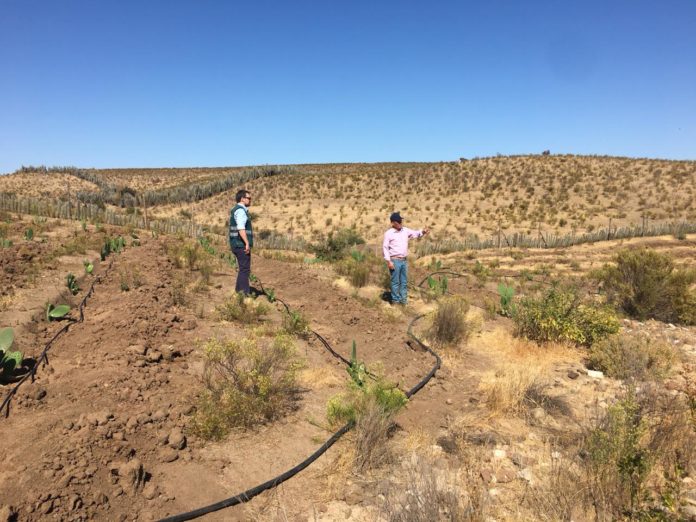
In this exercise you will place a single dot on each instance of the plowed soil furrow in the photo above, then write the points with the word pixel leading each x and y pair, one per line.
pixel 94 437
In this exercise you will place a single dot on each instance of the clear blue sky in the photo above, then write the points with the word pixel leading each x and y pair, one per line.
pixel 202 83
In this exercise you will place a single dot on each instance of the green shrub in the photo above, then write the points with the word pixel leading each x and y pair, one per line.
pixel 560 315
pixel 336 245
pixel 240 307
pixel 632 356
pixel 357 272
pixel 645 284
pixel 295 323
pixel 449 325
pixel 506 294
pixel 246 382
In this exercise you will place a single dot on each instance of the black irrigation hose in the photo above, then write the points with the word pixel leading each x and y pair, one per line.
pixel 43 358
pixel 247 495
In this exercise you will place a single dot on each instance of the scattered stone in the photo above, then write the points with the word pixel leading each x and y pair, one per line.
pixel 499 454
pixel 538 413
pixel 353 495
pixel 177 439
pixel 505 475
pixel 137 349
pixel 526 475
pixel 449 402
pixel 487 475
pixel 154 356
pixel 168 455
pixel 130 474
pixel 38 394
pixel 139 363
pixel 572 374
pixel 595 374
pixel 159 415
pixel 150 491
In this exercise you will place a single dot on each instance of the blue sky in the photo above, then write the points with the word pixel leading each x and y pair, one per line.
pixel 206 83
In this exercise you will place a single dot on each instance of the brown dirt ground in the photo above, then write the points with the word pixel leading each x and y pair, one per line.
pixel 88 439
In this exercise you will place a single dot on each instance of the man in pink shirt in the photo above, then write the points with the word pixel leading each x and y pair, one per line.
pixel 395 248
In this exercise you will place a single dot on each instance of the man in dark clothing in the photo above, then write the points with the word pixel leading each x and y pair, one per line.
pixel 242 239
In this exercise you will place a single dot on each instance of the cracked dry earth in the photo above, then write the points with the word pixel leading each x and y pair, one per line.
pixel 102 432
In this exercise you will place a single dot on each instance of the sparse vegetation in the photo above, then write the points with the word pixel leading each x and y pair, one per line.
pixel 560 314
pixel 246 382
pixel 646 284
pixel 449 325
pixel 632 356
pixel 239 307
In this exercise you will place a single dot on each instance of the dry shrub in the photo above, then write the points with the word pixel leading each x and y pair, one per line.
pixel 246 382
pixel 513 389
pixel 430 494
pixel 240 307
pixel 632 356
pixel 371 406
pixel 646 284
pixel 627 465
pixel 449 326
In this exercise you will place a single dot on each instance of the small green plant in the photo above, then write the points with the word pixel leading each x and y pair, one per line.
pixel 71 283
pixel 5 243
pixel 506 294
pixel 358 256
pixel 9 360
pixel 560 314
pixel 56 312
pixel 270 295
pixel 29 234
pixel 438 286
pixel 83 224
pixel 89 267
pixel 295 323
pixel 356 370
pixel 335 245
pixel 435 264
pixel 240 307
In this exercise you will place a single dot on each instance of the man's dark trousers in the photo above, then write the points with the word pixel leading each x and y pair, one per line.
pixel 244 266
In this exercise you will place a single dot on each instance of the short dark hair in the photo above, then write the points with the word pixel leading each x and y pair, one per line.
pixel 240 194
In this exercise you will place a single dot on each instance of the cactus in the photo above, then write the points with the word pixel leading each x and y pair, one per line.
pixel 71 283
pixel 9 360
pixel 56 312
pixel 356 370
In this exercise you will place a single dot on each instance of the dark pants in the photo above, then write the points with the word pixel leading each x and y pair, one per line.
pixel 244 266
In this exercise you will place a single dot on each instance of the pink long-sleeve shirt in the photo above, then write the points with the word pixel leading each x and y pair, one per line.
pixel 396 242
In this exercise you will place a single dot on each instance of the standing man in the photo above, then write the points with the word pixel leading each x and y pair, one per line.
pixel 395 248
pixel 242 239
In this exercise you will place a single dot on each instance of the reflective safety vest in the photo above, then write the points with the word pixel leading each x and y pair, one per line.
pixel 235 240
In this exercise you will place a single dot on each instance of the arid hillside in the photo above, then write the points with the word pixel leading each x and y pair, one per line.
pixel 521 194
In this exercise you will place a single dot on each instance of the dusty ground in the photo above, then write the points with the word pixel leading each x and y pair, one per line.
pixel 102 433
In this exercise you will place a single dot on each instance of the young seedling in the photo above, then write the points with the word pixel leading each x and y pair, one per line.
pixel 506 294
pixel 83 224
pixel 89 267
pixel 356 370
pixel 270 295
pixel 29 234
pixel 56 312
pixel 9 360
pixel 71 283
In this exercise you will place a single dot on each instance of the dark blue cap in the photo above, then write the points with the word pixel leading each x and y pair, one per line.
pixel 395 217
